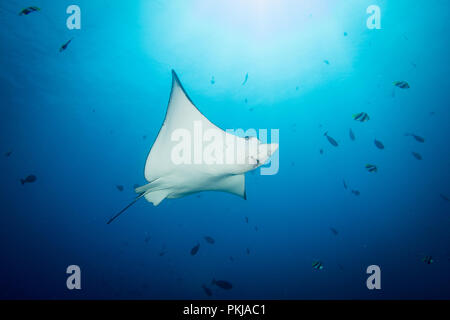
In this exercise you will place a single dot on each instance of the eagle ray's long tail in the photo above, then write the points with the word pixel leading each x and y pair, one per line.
pixel 124 209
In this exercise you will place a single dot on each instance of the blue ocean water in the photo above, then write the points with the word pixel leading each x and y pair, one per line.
pixel 83 121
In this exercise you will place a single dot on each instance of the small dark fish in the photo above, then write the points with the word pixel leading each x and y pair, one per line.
pixel 135 186
pixel 245 100
pixel 371 168
pixel 345 185
pixel 30 179
pixel 361 117
pixel 432 113
pixel 416 155
pixel 334 231
pixel 245 80
pixel 356 192
pixel 163 250
pixel 444 197
pixel 345 34
pixel 317 265
pixel 64 46
pixel 207 290
pixel 428 259
pixel 248 251
pixel 331 140
pixel 119 187
pixel 246 219
pixel 321 151
pixel 351 134
pixel 231 258
pixel 147 238
pixel 222 284
pixel 29 10
pixel 378 144
pixel 256 228
pixel 144 137
pixel 416 137
pixel 212 80
pixel 194 250
pixel 326 62
pixel 209 239
pixel 8 153
pixel 401 84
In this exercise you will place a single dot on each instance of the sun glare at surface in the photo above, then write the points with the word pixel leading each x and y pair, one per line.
pixel 265 37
